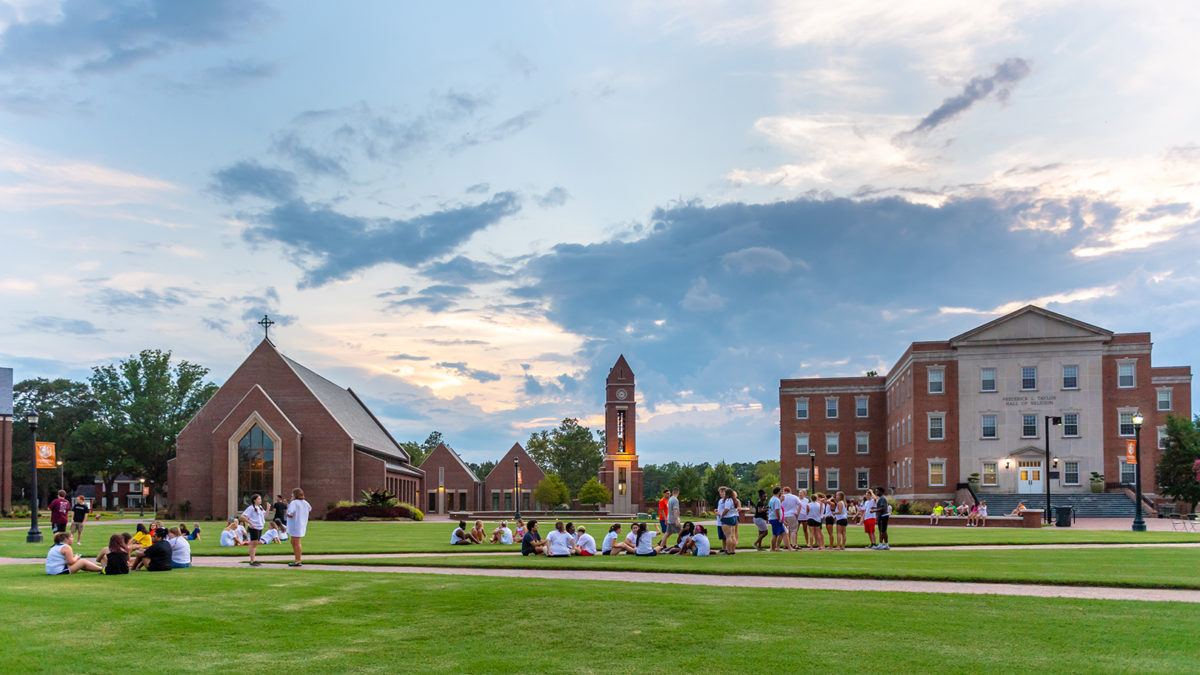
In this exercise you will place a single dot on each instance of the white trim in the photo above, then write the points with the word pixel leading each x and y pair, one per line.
pixel 1078 472
pixel 807 408
pixel 231 473
pixel 866 400
pixel 995 382
pixel 837 407
pixel 1158 392
pixel 1036 379
pixel 837 437
pixel 1078 416
pixel 867 436
pixel 1132 363
pixel 1036 428
pixel 862 469
pixel 929 417
pixel 1063 377
pixel 995 426
pixel 929 471
pixel 807 442
pixel 1126 411
pixel 929 371
pixel 995 474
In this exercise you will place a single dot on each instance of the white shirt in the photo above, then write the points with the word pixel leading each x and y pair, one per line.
pixel 702 545
pixel 868 509
pixel 56 562
pixel 609 540
pixel 558 543
pixel 775 509
pixel 457 535
pixel 297 517
pixel 254 514
pixel 181 551
pixel 791 505
pixel 631 538
pixel 645 543
pixel 806 509
pixel 505 535
pixel 587 543
pixel 726 508
pixel 270 536
pixel 228 538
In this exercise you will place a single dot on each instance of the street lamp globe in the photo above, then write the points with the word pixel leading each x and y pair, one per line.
pixel 1138 419
pixel 31 418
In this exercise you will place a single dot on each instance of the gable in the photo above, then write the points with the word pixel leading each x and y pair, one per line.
pixel 503 469
pixel 1034 324
pixel 443 455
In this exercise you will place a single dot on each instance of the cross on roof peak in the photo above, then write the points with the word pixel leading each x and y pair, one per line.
pixel 266 323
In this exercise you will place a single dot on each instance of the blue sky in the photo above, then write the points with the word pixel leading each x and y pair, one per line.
pixel 466 214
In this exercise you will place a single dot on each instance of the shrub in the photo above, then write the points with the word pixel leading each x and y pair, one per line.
pixel 378 497
pixel 921 508
pixel 903 508
pixel 414 512
pixel 360 511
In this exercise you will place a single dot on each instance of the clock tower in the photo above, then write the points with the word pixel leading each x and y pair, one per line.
pixel 620 472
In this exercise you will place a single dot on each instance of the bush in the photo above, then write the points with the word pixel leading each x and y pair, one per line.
pixel 414 512
pixel 378 497
pixel 921 508
pixel 360 511
pixel 903 508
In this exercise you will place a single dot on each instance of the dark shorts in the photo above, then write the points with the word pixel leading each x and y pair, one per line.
pixel 828 520
pixel 66 570
pixel 814 523
pixel 647 555
pixel 560 555
pixel 842 522
pixel 255 535
pixel 58 527
pixel 662 525
pixel 731 521
pixel 776 528
pixel 608 552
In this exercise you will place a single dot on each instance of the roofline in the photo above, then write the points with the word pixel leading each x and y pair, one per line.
pixel 379 424
pixel 515 446
pixel 288 362
pixel 460 461
pixel 269 399
pixel 210 398
pixel 1025 310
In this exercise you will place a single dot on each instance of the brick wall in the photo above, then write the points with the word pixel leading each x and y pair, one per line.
pixel 846 425
pixel 442 463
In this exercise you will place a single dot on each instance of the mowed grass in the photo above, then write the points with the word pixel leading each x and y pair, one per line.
pixel 1131 567
pixel 434 537
pixel 223 620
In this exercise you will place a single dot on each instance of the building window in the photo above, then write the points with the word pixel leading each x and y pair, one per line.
pixel 1127 470
pixel 462 501
pixel 1164 399
pixel 1070 377
pixel 831 444
pixel 1029 426
pixel 1071 425
pixel 1028 378
pixel 860 406
pixel 937 473
pixel 990 477
pixel 1162 438
pixel 1126 378
pixel 937 380
pixel 801 444
pixel 831 408
pixel 937 427
pixel 988 426
pixel 801 408
pixel 255 464
pixel 987 379
pixel 862 479
pixel 833 479
pixel 1071 473
pixel 495 500
pixel 1125 421
pixel 862 442
pixel 801 479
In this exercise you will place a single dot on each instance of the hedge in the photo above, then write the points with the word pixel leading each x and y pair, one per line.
pixel 359 511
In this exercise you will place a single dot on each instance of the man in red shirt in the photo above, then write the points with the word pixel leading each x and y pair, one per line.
pixel 662 514
pixel 59 509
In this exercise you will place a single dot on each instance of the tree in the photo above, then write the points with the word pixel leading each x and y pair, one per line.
pixel 1176 472
pixel 766 474
pixel 551 491
pixel 721 474
pixel 570 450
pixel 592 492
pixel 690 481
pixel 418 452
pixel 142 405
pixel 482 469
pixel 98 453
pixel 656 478
pixel 872 373
pixel 62 405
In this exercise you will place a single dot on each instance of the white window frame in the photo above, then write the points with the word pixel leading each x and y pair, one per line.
pixel 860 473
pixel 995 426
pixel 1122 467
pixel 1064 425
pixel 983 474
pixel 862 442
pixel 807 443
pixel 1064 376
pixel 982 380
pixel 1170 399
pixel 929 475
pixel 833 479
pixel 802 400
pixel 866 406
pixel 836 437
pixel 1035 425
pixel 836 410
pixel 1132 363
pixel 1065 481
pixel 1035 378
pixel 1160 437
pixel 940 371
pixel 940 417
pixel 1121 413
pixel 802 485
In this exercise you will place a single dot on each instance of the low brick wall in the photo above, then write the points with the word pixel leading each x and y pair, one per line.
pixel 1031 518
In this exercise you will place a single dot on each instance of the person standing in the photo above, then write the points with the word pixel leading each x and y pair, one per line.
pixel 728 519
pixel 791 518
pixel 775 519
pixel 297 524
pixel 868 516
pixel 257 517
pixel 674 524
pixel 883 510
pixel 59 508
pixel 760 519
pixel 662 513
pixel 841 518
pixel 280 509
pixel 79 514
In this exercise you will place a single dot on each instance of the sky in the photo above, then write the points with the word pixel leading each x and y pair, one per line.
pixel 467 213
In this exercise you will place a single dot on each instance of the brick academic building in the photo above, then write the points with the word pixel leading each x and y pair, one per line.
pixel 978 404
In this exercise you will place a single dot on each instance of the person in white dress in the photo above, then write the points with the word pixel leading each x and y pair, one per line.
pixel 297 525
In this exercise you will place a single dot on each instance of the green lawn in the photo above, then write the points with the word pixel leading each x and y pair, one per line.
pixel 1133 567
pixel 211 620
pixel 434 537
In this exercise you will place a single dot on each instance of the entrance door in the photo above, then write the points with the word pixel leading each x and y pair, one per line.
pixel 1029 476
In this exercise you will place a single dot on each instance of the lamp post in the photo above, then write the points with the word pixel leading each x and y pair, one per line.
pixel 1050 419
pixel 812 462
pixel 34 535
pixel 1139 525
pixel 141 498
pixel 62 484
pixel 516 488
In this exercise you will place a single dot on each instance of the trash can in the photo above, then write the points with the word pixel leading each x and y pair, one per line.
pixel 1064 516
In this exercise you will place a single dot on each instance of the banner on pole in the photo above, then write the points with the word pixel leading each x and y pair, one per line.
pixel 45 455
pixel 1131 452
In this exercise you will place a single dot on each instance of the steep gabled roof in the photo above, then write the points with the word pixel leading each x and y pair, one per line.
pixel 620 372
pixel 350 412
pixel 452 453
pixel 521 454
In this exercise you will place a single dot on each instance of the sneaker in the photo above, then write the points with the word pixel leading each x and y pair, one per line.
pixel 885 547
pixel 256 564
pixel 295 564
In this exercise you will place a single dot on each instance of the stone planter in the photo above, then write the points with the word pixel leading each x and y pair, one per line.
pixel 1097 487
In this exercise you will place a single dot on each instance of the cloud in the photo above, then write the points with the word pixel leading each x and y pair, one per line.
pixel 701 298
pixel 94 37
pixel 288 144
pixel 1003 78
pixel 407 357
pixel 1065 298
pixel 756 259
pixel 58 324
pixel 555 196
pixel 497 132
pixel 478 189
pixel 462 270
pixel 251 179
pixel 146 299
pixel 436 298
pixel 30 179
pixel 470 373
pixel 457 342
pixel 329 245
pixel 246 311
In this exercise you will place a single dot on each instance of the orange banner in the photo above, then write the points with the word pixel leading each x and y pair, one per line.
pixel 1131 452
pixel 45 455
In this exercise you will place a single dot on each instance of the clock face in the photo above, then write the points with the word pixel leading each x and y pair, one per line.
pixel 622 394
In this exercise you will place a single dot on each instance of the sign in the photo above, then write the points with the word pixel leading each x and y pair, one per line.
pixel 1025 400
pixel 1053 475
pixel 6 391
pixel 1131 452
pixel 45 455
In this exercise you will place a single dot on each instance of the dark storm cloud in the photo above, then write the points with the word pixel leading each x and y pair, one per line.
pixel 436 298
pixel 251 179
pixel 90 36
pixel 471 373
pixel 330 245
pixel 463 270
pixel 58 324
pixel 1000 83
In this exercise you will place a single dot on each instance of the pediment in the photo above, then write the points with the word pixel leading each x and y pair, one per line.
pixel 1031 324
pixel 1028 451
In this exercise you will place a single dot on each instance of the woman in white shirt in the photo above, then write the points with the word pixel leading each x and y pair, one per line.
pixel 229 536
pixel 558 542
pixel 727 515
pixel 256 517
pixel 698 544
pixel 297 524
pixel 585 544
pixel 60 559
pixel 611 546
pixel 502 535
pixel 644 543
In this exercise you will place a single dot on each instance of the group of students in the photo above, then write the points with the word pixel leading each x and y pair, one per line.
pixel 821 519
pixel 566 540
pixel 289 522
pixel 461 536
pixel 976 514
pixel 154 549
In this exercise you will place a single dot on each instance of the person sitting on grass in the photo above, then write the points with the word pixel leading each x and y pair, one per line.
pixel 61 559
pixel 192 535
pixel 156 558
pixel 937 514
pixel 114 558
pixel 585 543
pixel 698 544
pixel 520 532
pixel 141 537
pixel 558 542
pixel 570 529
pixel 610 539
pixel 477 533
pixel 282 527
pixel 531 543
pixel 181 550
pixel 270 535
pixel 644 545
pixel 685 533
pixel 229 536
pixel 502 535
pixel 460 536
